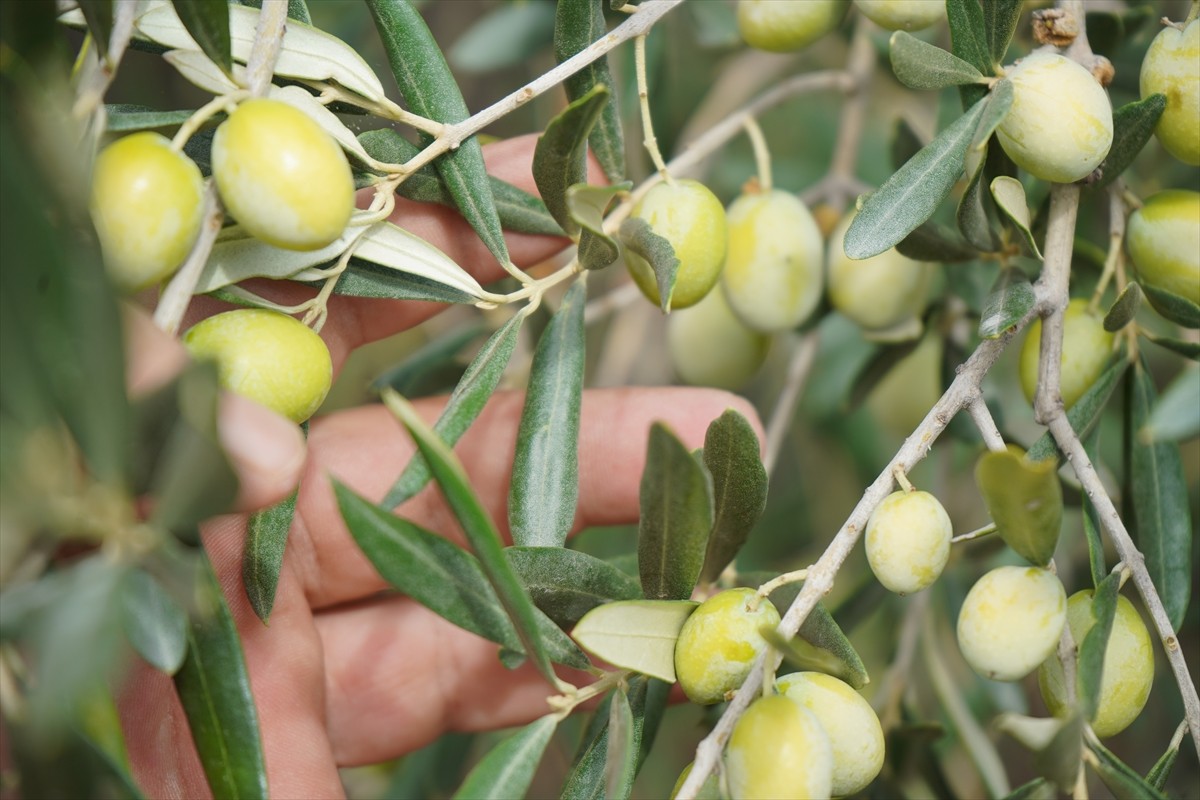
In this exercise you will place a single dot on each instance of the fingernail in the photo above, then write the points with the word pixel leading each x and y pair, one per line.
pixel 267 450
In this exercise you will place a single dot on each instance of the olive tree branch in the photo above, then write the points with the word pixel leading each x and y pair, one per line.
pixel 804 353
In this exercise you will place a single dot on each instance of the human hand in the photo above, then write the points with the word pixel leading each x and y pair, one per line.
pixel 344 674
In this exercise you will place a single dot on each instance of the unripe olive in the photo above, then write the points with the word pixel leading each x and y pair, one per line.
pixel 1060 126
pixel 855 735
pixel 692 219
pixel 1128 666
pixel 272 358
pixel 783 26
pixel 773 275
pixel 1163 237
pixel 1172 67
pixel 906 393
pixel 281 176
pixel 709 790
pixel 147 203
pixel 709 346
pixel 905 15
pixel 778 751
pixel 877 292
pixel 908 541
pixel 1085 350
pixel 719 642
pixel 1011 621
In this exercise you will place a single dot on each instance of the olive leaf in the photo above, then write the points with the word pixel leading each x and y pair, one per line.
pixel 731 453
pixel 1009 301
pixel 920 65
pixel 99 17
pixel 1177 309
pixel 637 235
pixel 588 779
pixel 1176 415
pixel 125 117
pixel 508 768
pixel 262 555
pixel 1000 19
pixel 560 157
pixel 1124 308
pixel 1184 348
pixel 154 623
pixel 1133 125
pixel 933 242
pixel 1121 779
pixel 566 584
pixel 621 755
pixel 638 635
pixel 1009 195
pixel 1091 651
pixel 969 41
pixel 1024 499
pixel 207 21
pixel 587 206
pixel 577 24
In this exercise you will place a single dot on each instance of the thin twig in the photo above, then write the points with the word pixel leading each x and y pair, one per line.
pixel 803 356
pixel 982 417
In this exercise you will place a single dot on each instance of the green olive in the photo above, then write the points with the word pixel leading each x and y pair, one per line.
pixel 709 346
pixel 778 751
pixel 269 357
pixel 719 642
pixel 1163 238
pixel 902 15
pixel 692 219
pixel 773 275
pixel 709 790
pixel 855 735
pixel 879 292
pixel 147 202
pixel 1011 620
pixel 1169 68
pixel 281 176
pixel 1060 126
pixel 784 26
pixel 1085 350
pixel 908 541
pixel 1128 666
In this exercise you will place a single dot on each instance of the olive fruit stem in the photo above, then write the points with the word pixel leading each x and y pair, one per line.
pixel 762 153
pixel 978 533
pixel 902 479
pixel 648 137
pixel 563 704
pixel 224 102
pixel 1116 246
pixel 795 576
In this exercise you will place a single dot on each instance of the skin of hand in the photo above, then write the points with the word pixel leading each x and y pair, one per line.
pixel 346 674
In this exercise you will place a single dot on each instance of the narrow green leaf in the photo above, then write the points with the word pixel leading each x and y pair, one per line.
pixel 1184 348
pixel 1179 310
pixel 1000 19
pixel 577 24
pixel 587 206
pixel 1089 666
pixel 1176 415
pixel 99 17
pixel 428 361
pixel 1133 124
pixel 430 90
pixel 1010 299
pixel 1000 100
pixel 920 65
pixel 502 37
pixel 739 489
pixel 214 687
pixel 297 9
pixel 208 23
pixel 1163 529
pixel 635 634
pixel 933 242
pixel 545 469
pixel 911 195
pixel 637 235
pixel 1124 308
pixel 1091 522
pixel 508 769
pixel 432 771
pixel 1084 415
pixel 1158 774
pixel 1024 499
pixel 262 558
pixel 969 41
pixel 676 516
pixel 366 279
pixel 972 215
pixel 560 158
pixel 1009 195
pixel 123 118
pixel 464 406
pixel 822 632
pixel 442 577
pixel 480 532
pixel 566 584
pixel 620 758
pixel 1121 779
pixel 647 702
pixel 1036 789
pixel 154 623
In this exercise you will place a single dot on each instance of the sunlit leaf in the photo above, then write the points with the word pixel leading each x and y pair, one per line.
pixel 731 453
pixel 1009 195
pixel 508 768
pixel 1024 499
pixel 635 634
pixel 920 65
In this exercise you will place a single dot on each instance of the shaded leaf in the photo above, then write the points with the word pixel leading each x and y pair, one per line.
pixel 441 576
pixel 364 279
pixel 1059 760
pixel 1084 415
pixel 933 242
pixel 1119 777
pixel 1024 499
pixel 620 758
pixel 214 687
pixel 739 489
pixel 1000 19
pixel 1000 100
pixel 1124 308
pixel 1091 523
pixel 587 206
pixel 503 37
pixel 1090 654
pixel 560 157
pixel 122 118
pixel 822 631
pixel 431 771
pixel 647 702
pixel 464 406
pixel 426 362
pixel 262 558
pixel 676 517
pixel 638 635
pixel 99 16
pixel 911 195
pixel 508 768
pixel 1036 789
pixel 1158 774
pixel 1009 195
pixel 430 90
pixel 1133 124
pixel 1010 299
pixel 566 584
pixel 297 9
pixel 972 216
pixel 906 143
pixel 1179 310
pixel 878 367
pixel 1176 415
pixel 208 23
pixel 637 235
pixel 969 41
pixel 1184 348
pixel 920 65
pixel 155 625
pixel 1163 530
pixel 577 24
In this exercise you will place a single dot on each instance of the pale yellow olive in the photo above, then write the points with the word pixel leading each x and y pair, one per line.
pixel 1172 67
pixel 269 357
pixel 1085 350
pixel 692 219
pixel 908 541
pixel 1060 126
pixel 902 15
pixel 879 292
pixel 1163 238
pixel 719 642
pixel 774 273
pixel 1011 620
pixel 709 346
pixel 778 751
pixel 1128 666
pixel 783 26
pixel 281 176
pixel 906 393
pixel 147 203
pixel 709 790
pixel 855 735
